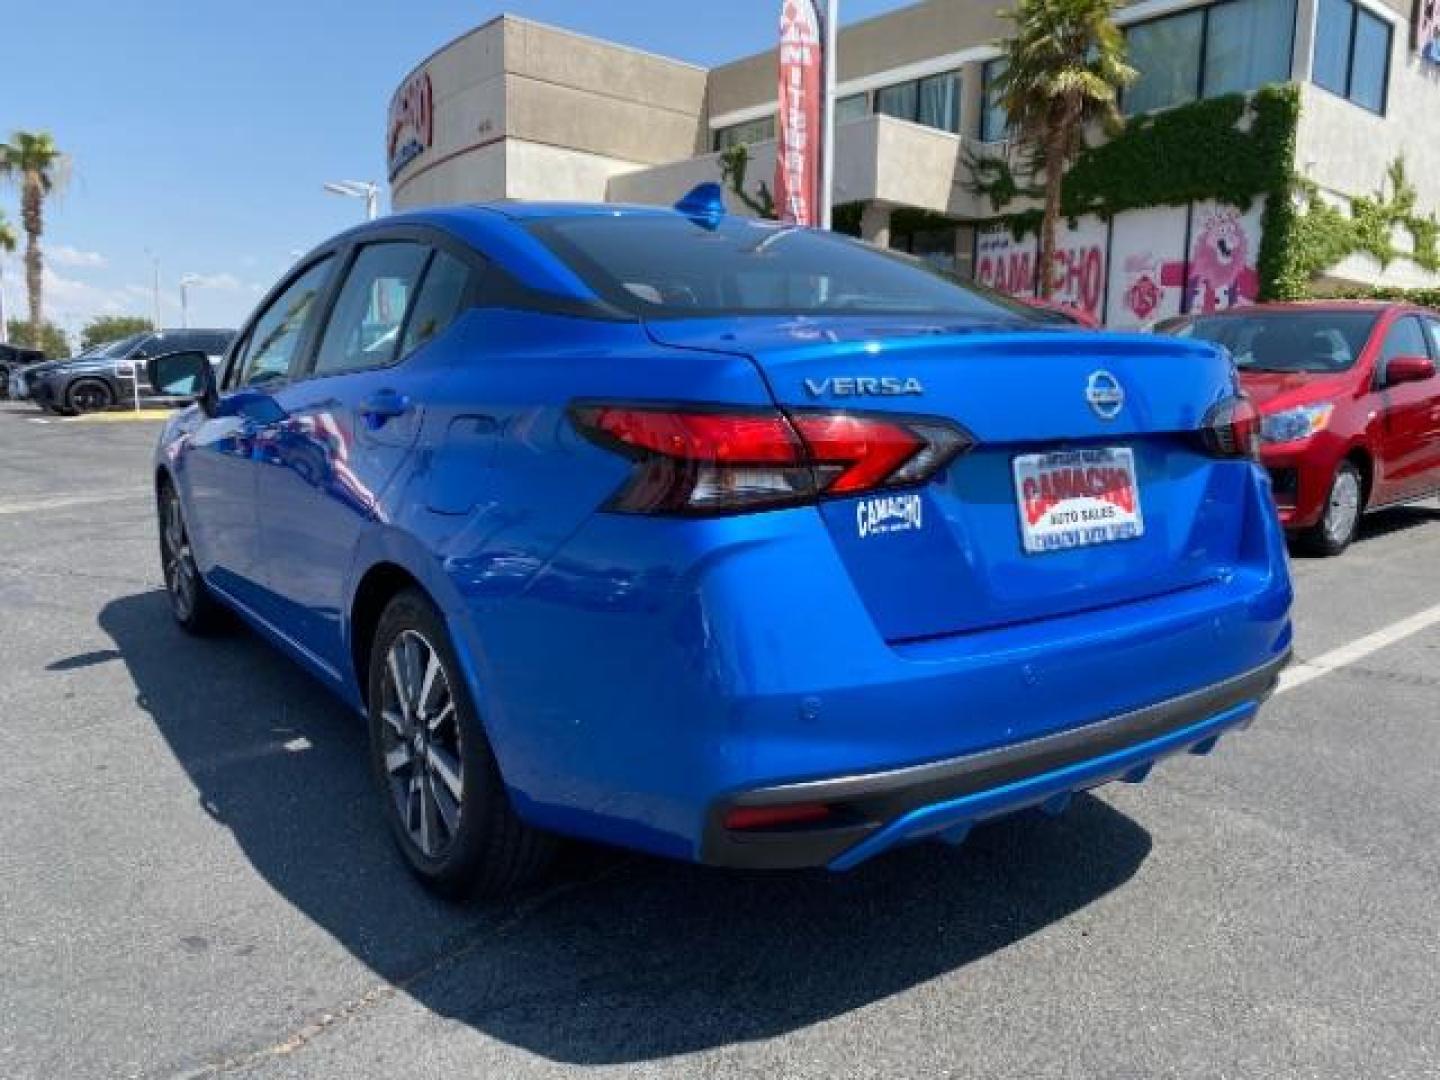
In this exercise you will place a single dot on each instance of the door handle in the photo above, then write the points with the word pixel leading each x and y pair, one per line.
pixel 383 406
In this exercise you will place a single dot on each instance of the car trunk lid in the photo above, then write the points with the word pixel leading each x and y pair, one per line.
pixel 1064 423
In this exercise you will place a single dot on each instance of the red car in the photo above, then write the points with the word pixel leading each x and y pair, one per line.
pixel 1349 403
pixel 1061 312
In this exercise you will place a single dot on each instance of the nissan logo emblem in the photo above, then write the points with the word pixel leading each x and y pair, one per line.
pixel 1105 395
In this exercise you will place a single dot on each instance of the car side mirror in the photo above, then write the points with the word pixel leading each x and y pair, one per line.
pixel 185 375
pixel 1409 369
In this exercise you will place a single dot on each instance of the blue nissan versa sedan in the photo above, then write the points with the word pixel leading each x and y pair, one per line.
pixel 726 541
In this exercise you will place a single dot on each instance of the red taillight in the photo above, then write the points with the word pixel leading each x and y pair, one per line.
pixel 721 461
pixel 856 453
pixel 695 436
pixel 743 818
pixel 1232 429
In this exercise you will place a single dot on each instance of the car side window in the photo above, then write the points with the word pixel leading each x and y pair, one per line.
pixel 442 295
pixel 364 329
pixel 1432 327
pixel 278 332
pixel 150 345
pixel 1406 338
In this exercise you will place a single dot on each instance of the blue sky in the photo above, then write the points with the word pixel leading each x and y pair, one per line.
pixel 202 132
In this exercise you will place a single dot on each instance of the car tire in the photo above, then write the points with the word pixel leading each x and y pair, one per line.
pixel 440 786
pixel 1340 523
pixel 191 602
pixel 89 396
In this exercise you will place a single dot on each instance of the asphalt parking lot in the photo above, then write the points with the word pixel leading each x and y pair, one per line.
pixel 195 880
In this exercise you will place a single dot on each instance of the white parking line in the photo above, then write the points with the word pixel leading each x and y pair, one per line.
pixel 63 501
pixel 1302 673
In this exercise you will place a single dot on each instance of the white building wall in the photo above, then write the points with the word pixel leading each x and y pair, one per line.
pixel 877 159
pixel 1346 150
pixel 474 176
pixel 550 173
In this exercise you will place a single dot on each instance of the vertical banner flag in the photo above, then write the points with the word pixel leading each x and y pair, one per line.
pixel 797 150
pixel 1427 29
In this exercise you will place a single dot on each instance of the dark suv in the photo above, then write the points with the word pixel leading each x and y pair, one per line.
pixel 106 377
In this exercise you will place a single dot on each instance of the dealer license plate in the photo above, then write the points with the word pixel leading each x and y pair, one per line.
pixel 1077 498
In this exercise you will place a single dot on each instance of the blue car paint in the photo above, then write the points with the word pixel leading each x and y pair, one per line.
pixel 632 671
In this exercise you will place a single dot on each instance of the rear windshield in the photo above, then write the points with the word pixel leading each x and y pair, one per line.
pixel 1309 341
pixel 674 268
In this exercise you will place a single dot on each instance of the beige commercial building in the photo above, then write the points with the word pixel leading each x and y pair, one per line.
pixel 519 110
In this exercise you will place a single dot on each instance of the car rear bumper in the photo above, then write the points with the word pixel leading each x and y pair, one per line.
pixel 870 813
pixel 759 669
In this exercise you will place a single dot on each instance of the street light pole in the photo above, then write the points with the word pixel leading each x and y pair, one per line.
pixel 185 283
pixel 358 189
pixel 155 285
pixel 827 149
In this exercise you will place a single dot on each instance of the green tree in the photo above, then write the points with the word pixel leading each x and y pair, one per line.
pixel 1066 66
pixel 51 340
pixel 7 245
pixel 105 328
pixel 33 163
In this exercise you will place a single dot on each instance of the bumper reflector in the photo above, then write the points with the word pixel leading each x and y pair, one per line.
pixel 743 818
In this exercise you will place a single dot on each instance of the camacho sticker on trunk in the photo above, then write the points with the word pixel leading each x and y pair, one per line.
pixel 889 514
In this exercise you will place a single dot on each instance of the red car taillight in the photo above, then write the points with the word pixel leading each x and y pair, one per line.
pixel 708 461
pixel 1231 429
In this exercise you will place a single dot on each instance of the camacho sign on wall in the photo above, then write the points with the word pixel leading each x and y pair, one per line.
pixel 412 122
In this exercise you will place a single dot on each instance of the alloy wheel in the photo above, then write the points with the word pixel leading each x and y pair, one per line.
pixel 422 744
pixel 181 576
pixel 1343 510
pixel 88 397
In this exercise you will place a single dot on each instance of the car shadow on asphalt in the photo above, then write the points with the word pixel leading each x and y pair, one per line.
pixel 1397 519
pixel 1382 523
pixel 617 958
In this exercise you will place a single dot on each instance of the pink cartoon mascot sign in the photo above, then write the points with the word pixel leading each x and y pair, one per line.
pixel 1222 271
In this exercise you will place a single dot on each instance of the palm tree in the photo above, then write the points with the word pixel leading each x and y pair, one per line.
pixel 1065 70
pixel 33 162
pixel 7 246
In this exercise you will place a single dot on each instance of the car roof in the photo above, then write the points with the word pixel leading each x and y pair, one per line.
pixel 1312 305
pixel 496 231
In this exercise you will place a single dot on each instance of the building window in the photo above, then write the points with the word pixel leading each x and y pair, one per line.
pixel 1334 26
pixel 934 102
pixel 1226 48
pixel 900 101
pixel 1248 45
pixel 752 131
pixel 853 107
pixel 940 102
pixel 994 123
pixel 1352 53
pixel 1166 52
